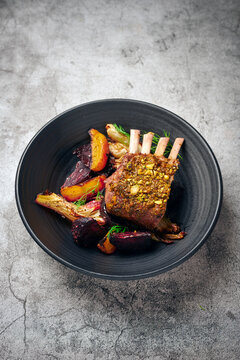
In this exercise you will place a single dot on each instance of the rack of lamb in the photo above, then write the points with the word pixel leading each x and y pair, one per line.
pixel 139 189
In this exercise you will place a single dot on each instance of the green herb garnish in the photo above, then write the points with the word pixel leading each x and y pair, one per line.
pixel 80 202
pixel 99 195
pixel 117 229
pixel 83 198
pixel 121 130
pixel 166 134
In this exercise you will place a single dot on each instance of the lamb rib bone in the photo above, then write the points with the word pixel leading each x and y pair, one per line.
pixel 147 143
pixel 176 148
pixel 134 141
pixel 161 146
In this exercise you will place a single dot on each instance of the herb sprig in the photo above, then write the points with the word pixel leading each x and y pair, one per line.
pixel 80 202
pixel 83 198
pixel 120 129
pixel 117 229
pixel 99 195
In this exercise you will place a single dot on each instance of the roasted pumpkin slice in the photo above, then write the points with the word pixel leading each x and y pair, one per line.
pixel 85 191
pixel 100 150
pixel 105 246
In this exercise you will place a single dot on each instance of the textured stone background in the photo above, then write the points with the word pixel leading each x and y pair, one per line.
pixel 182 55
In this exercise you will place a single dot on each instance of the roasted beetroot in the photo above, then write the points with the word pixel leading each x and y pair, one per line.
pixel 87 232
pixel 80 174
pixel 104 214
pixel 84 153
pixel 131 241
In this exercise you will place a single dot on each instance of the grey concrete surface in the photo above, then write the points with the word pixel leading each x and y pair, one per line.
pixel 182 55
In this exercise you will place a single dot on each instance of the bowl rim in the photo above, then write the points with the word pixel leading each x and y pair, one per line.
pixel 219 190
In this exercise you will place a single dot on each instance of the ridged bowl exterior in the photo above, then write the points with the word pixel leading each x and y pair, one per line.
pixel 48 159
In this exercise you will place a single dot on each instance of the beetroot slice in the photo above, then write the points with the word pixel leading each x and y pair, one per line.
pixel 87 232
pixel 131 241
pixel 80 174
pixel 84 153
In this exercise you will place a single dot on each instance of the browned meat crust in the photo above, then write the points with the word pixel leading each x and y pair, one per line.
pixel 138 191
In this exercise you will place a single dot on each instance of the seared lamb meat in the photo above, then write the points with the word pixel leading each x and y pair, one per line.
pixel 138 191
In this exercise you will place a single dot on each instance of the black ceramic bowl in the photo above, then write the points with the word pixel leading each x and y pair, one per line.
pixel 47 160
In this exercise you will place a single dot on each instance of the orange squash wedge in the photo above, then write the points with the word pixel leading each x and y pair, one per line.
pixel 100 150
pixel 86 190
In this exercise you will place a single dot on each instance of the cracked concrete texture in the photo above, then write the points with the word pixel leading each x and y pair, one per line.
pixel 182 55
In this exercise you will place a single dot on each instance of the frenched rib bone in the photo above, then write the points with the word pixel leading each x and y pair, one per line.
pixel 134 141
pixel 161 146
pixel 176 148
pixel 147 143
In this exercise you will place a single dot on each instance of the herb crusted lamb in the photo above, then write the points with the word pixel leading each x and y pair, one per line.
pixel 138 191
